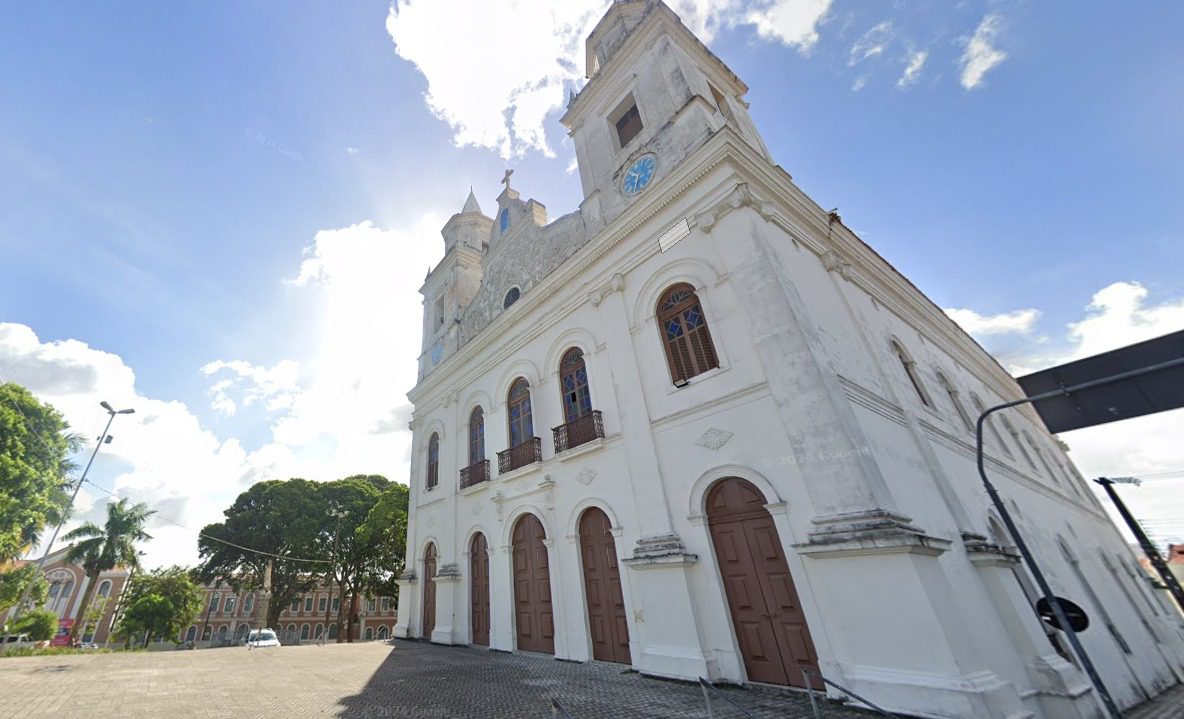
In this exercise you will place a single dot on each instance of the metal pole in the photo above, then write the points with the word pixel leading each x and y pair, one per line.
pixel 53 537
pixel 1148 546
pixel 1045 589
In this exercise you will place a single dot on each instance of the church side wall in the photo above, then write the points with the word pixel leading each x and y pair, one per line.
pixel 965 620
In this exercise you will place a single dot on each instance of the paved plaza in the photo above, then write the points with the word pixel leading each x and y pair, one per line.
pixel 373 680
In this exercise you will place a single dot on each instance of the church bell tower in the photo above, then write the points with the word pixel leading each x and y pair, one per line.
pixel 654 95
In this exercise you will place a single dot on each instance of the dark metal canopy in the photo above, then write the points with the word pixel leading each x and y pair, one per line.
pixel 1096 398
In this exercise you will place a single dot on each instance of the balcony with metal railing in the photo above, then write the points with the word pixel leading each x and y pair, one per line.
pixel 580 430
pixel 474 474
pixel 526 453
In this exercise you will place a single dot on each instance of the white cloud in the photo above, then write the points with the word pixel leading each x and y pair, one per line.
pixel 530 51
pixel 981 55
pixel 793 23
pixel 1117 315
pixel 515 61
pixel 274 385
pixel 859 83
pixel 160 455
pixel 912 70
pixel 342 408
pixel 1020 321
pixel 351 150
pixel 336 410
pixel 872 43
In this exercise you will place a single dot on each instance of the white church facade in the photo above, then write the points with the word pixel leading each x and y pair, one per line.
pixel 700 428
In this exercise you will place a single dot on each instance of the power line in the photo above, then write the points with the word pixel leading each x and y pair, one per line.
pixel 217 539
pixel 105 490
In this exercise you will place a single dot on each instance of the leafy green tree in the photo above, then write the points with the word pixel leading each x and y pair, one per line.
pixel 180 593
pixel 284 518
pixel 34 464
pixel 39 624
pixel 104 548
pixel 149 616
pixel 15 579
pixel 349 500
pixel 384 535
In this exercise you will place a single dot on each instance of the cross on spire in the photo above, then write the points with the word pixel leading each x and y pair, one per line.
pixel 506 179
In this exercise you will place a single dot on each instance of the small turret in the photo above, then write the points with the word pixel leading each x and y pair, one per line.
pixel 468 228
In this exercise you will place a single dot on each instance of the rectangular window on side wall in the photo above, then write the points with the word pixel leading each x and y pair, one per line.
pixel 626 119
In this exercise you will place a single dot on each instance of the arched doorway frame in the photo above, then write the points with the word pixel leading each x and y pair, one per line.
pixel 558 599
pixel 467 629
pixel 778 509
pixel 583 650
pixel 423 589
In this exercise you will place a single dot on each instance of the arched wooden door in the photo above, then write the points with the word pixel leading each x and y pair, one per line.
pixel 602 586
pixel 768 619
pixel 534 620
pixel 429 591
pixel 479 589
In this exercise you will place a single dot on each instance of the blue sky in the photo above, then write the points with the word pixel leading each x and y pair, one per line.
pixel 261 186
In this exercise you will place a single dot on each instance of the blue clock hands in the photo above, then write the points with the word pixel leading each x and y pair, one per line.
pixel 639 175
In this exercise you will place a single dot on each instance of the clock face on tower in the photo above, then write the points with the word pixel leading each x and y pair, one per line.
pixel 639 174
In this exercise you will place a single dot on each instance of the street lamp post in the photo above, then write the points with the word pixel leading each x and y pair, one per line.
pixel 103 439
pixel 1145 543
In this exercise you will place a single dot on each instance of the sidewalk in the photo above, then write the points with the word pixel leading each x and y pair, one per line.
pixel 1169 705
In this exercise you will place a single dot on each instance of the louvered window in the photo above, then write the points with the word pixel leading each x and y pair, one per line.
pixel 910 369
pixel 689 350
pixel 577 400
pixel 521 424
pixel 433 461
pixel 476 436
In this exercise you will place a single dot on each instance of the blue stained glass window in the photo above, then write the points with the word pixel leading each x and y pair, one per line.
pixel 521 427
pixel 693 317
pixel 675 298
pixel 504 221
pixel 673 329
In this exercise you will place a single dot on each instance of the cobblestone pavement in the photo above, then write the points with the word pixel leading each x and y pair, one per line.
pixel 1169 705
pixel 372 680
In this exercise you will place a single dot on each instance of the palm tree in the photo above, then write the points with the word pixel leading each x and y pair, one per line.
pixel 104 548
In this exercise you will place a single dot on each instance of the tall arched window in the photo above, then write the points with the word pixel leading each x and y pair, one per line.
pixel 689 350
pixel 504 220
pixel 249 604
pixel 518 403
pixel 573 379
pixel 105 588
pixel 990 424
pixel 1015 437
pixel 953 395
pixel 1040 456
pixel 476 435
pixel 433 461
pixel 910 369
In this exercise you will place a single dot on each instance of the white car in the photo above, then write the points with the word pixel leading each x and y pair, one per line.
pixel 262 638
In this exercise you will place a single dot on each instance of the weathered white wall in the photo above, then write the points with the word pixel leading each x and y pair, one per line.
pixel 909 596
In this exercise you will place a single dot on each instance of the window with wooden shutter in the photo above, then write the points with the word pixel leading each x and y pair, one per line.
pixel 910 369
pixel 518 402
pixel 573 379
pixel 433 461
pixel 476 436
pixel 689 350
